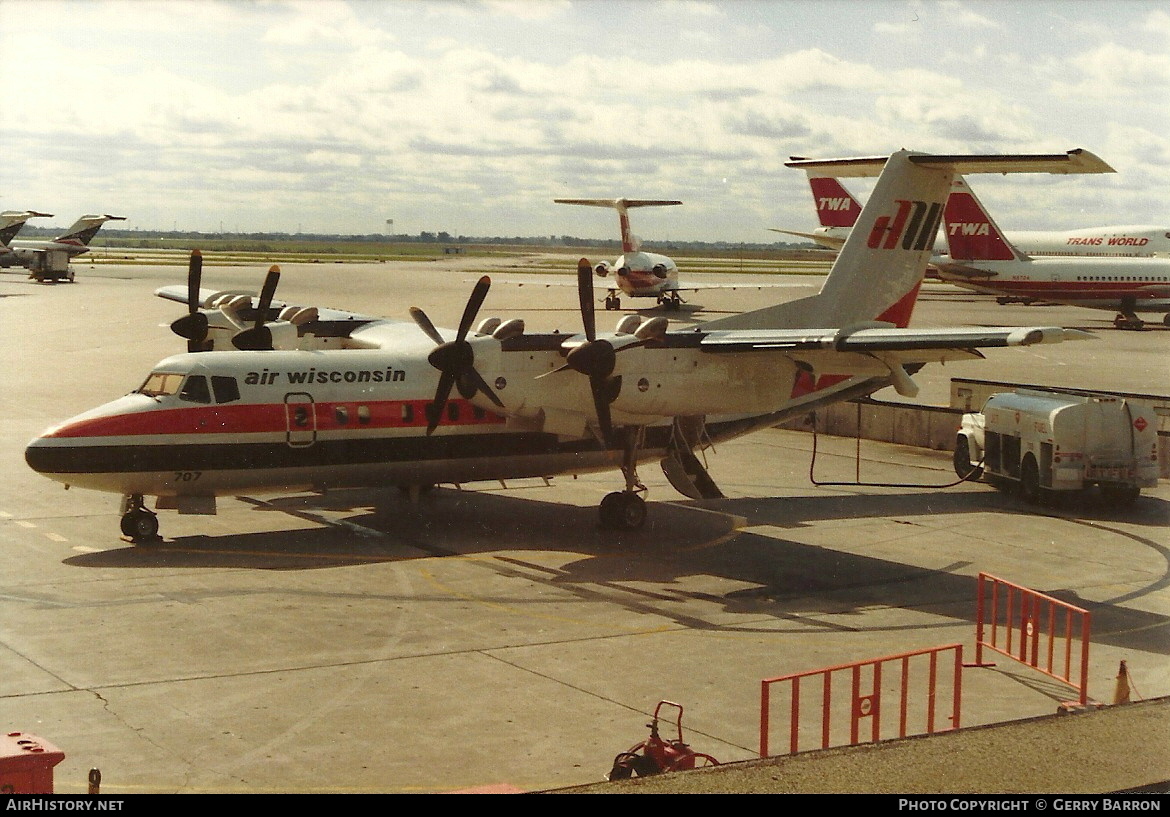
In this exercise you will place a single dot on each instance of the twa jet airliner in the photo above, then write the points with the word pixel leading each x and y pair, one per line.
pixel 837 209
pixel 278 398
pixel 984 259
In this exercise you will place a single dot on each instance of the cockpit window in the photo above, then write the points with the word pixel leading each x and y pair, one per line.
pixel 225 388
pixel 195 390
pixel 160 384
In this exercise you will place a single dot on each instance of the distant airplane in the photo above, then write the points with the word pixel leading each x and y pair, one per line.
pixel 837 209
pixel 12 220
pixel 49 260
pixel 984 259
pixel 639 274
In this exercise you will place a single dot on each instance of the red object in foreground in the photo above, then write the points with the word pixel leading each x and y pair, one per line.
pixel 26 764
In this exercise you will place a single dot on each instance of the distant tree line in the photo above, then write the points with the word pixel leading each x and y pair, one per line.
pixel 425 237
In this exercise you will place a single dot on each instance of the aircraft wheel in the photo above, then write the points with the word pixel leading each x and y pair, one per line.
pixel 140 525
pixel 623 511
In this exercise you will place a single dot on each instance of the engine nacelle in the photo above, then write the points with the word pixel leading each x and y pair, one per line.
pixel 601 270
pixel 659 270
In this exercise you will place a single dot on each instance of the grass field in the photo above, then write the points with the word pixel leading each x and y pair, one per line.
pixel 532 258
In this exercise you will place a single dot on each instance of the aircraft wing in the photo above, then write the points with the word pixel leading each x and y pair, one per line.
pixel 209 296
pixel 829 241
pixel 963 270
pixel 882 351
pixel 911 345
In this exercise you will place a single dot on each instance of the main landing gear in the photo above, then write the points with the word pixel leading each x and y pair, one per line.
pixel 139 524
pixel 670 301
pixel 612 301
pixel 626 510
pixel 1126 317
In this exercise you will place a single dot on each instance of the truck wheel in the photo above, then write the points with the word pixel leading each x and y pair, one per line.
pixel 962 462
pixel 1030 481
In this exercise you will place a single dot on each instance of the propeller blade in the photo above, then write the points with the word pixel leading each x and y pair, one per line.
pixel 194 278
pixel 446 380
pixel 585 296
pixel 482 386
pixel 193 325
pixel 266 293
pixel 599 387
pixel 424 323
pixel 259 337
pixel 478 293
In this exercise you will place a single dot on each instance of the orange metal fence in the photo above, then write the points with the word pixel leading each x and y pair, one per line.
pixel 1044 633
pixel 867 688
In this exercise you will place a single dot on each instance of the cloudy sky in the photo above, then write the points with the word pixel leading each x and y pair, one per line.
pixel 470 116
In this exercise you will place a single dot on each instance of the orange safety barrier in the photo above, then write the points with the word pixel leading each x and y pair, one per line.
pixel 1027 626
pixel 867 702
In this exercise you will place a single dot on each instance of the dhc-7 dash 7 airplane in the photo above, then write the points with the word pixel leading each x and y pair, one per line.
pixel 275 398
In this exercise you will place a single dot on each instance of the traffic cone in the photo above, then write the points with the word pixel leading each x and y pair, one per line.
pixel 1121 690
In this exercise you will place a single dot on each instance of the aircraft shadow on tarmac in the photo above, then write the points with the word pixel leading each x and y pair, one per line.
pixel 681 541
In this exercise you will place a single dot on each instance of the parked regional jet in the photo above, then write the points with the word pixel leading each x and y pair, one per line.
pixel 49 260
pixel 276 398
pixel 837 209
pixel 639 274
pixel 982 258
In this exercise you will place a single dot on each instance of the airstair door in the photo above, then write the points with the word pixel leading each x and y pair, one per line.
pixel 300 419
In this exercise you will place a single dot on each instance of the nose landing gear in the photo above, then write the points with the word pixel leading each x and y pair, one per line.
pixel 626 510
pixel 139 524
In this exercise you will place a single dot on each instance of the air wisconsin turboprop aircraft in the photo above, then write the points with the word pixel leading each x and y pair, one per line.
pixel 313 399
pixel 640 274
pixel 837 209
pixel 49 260
pixel 982 258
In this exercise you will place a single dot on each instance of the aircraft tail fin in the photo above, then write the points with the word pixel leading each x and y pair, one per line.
pixel 12 220
pixel 629 240
pixel 836 206
pixel 971 232
pixel 879 270
pixel 85 228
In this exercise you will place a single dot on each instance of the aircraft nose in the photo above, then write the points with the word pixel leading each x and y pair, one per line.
pixel 36 454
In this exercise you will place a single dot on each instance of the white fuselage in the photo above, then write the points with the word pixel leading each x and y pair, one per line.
pixel 642 274
pixel 275 421
pixel 1141 284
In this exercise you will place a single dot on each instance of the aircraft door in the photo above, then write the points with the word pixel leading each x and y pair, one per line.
pixel 300 419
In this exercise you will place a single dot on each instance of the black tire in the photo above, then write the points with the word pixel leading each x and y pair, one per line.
pixel 622 511
pixel 962 461
pixel 140 525
pixel 633 512
pixel 1030 481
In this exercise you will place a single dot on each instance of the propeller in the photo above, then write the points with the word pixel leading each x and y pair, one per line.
pixel 193 325
pixel 594 357
pixel 259 337
pixel 455 359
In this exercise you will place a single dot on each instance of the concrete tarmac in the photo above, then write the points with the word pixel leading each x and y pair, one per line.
pixel 494 636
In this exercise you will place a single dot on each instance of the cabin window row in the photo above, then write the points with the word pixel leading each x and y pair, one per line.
pixel 1123 277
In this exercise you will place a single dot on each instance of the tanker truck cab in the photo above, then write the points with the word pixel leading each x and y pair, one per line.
pixel 1042 443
